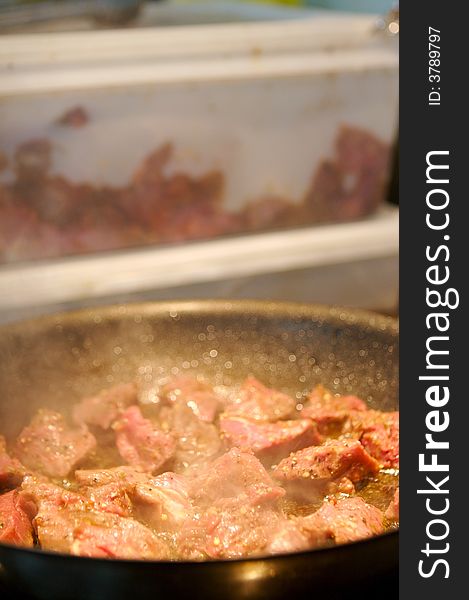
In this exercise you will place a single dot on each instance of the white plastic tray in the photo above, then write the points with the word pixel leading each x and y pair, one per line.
pixel 222 261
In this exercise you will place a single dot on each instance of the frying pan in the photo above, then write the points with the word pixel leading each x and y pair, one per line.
pixel 55 360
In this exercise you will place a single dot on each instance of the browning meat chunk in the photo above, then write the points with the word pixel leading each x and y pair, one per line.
pixel 319 465
pixel 379 434
pixel 269 441
pixel 98 477
pixel 329 412
pixel 16 513
pixel 257 402
pixel 106 406
pixel 50 446
pixel 140 443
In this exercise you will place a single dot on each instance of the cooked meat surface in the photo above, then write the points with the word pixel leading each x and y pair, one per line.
pixel 319 465
pixel 49 445
pixel 269 441
pixel 104 408
pixel 142 444
pixel 16 514
pixel 201 473
pixel 259 403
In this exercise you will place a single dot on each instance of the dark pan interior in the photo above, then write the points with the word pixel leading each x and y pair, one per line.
pixel 55 360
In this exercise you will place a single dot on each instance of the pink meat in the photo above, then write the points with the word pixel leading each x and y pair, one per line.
pixel 196 441
pixel 111 536
pixel 269 441
pixel 128 476
pixel 140 443
pixel 260 403
pixel 50 446
pixel 319 465
pixel 163 502
pixel 106 406
pixel 343 520
pixel 11 470
pixel 392 512
pixel 227 531
pixel 232 474
pixel 379 434
pixel 16 513
pixel 198 395
pixel 329 412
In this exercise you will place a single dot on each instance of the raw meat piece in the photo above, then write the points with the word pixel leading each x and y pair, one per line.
pixel 16 513
pixel 259 403
pixel 75 117
pixel 50 446
pixel 140 443
pixel 106 406
pixel 269 441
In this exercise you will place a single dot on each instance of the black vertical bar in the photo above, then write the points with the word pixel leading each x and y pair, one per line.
pixel 429 567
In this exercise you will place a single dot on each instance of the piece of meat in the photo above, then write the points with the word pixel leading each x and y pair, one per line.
pixel 140 443
pixel 287 537
pixel 70 522
pixel 112 498
pixel 269 441
pixel 343 520
pixel 352 183
pixel 232 474
pixel 105 535
pixel 257 402
pixel 329 412
pixel 392 512
pixel 11 470
pixel 317 466
pixel 16 513
pixel 198 395
pixel 75 117
pixel 98 477
pixel 50 446
pixel 33 160
pixel 111 490
pixel 163 502
pixel 105 407
pixel 197 442
pixel 378 432
pixel 227 531
pixel 56 506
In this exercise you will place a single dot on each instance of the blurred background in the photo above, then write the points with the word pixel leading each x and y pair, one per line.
pixel 182 149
